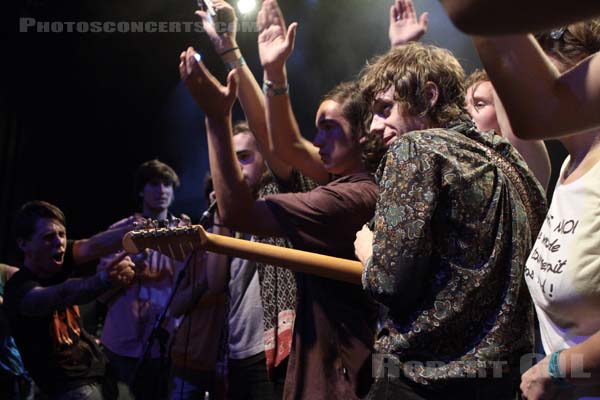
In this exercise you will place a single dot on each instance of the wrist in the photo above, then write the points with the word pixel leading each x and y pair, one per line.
pixel 230 53
pixel 218 121
pixel 105 278
pixel 275 75
pixel 271 89
pixel 557 370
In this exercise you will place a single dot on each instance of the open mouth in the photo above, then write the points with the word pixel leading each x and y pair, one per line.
pixel 58 257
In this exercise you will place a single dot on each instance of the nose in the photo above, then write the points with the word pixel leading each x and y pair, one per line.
pixel 319 139
pixel 163 187
pixel 377 125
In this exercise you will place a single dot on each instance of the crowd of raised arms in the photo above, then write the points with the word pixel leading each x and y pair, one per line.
pixel 451 274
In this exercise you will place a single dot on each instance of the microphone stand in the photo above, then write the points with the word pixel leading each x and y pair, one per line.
pixel 158 332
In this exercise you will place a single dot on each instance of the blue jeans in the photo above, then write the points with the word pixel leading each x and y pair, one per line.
pixel 191 385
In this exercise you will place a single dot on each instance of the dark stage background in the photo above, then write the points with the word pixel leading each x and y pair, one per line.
pixel 81 111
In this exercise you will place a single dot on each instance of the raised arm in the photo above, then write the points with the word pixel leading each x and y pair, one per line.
pixel 533 151
pixel 236 204
pixel 249 92
pixel 275 44
pixel 541 103
pixel 486 17
pixel 43 300
pixel 103 243
pixel 404 26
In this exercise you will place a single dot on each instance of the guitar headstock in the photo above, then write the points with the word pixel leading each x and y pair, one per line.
pixel 176 242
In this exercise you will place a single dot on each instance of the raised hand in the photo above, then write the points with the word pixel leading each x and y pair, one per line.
pixel 215 99
pixel 404 26
pixel 222 32
pixel 275 43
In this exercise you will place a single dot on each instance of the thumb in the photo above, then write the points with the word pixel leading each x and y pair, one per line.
pixel 232 84
pixel 202 14
pixel 119 257
pixel 424 19
pixel 291 36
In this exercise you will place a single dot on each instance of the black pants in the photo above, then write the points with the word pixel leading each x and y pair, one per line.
pixel 248 380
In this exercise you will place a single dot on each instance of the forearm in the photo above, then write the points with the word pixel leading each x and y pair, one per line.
pixel 534 152
pixel 284 133
pixel 234 197
pixel 581 363
pixel 484 17
pixel 536 102
pixel 252 101
pixel 44 300
pixel 99 245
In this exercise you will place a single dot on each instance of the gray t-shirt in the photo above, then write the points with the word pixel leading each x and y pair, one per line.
pixel 246 326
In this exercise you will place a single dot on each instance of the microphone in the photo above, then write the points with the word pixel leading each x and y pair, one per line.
pixel 208 214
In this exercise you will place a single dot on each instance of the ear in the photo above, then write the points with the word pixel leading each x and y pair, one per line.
pixel 432 92
pixel 22 243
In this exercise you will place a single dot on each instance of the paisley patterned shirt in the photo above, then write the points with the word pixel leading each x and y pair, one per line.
pixel 454 224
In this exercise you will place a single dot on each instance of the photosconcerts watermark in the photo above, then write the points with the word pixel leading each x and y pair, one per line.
pixel 388 366
pixel 31 25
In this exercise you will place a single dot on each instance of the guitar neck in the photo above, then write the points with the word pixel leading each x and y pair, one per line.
pixel 335 268
pixel 178 243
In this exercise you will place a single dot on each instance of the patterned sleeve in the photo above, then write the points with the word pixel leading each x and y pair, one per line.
pixel 409 182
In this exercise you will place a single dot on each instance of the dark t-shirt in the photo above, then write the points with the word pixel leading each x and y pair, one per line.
pixel 335 321
pixel 56 350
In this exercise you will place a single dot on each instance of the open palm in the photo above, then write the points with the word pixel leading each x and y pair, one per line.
pixel 275 43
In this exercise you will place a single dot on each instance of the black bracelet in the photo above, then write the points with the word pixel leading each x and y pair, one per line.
pixel 229 51
pixel 219 225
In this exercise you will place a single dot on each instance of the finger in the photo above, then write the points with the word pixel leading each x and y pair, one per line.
pixel 203 15
pixel 393 14
pixel 118 258
pixel 189 60
pixel 232 85
pixel 182 70
pixel 410 10
pixel 401 9
pixel 261 18
pixel 424 20
pixel 291 36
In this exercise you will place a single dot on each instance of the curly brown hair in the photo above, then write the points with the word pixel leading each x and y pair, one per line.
pixel 410 67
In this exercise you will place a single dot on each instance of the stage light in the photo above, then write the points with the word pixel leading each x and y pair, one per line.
pixel 246 6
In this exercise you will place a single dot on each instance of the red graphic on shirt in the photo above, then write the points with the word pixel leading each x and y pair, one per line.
pixel 65 324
